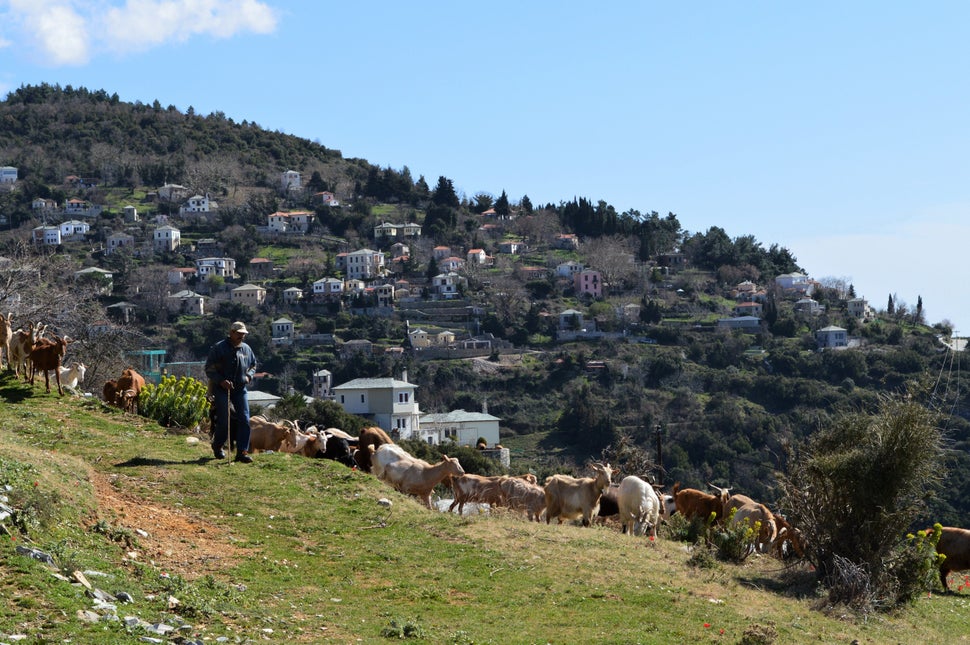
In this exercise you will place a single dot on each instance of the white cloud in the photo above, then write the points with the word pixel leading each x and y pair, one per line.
pixel 142 24
pixel 70 32
pixel 54 29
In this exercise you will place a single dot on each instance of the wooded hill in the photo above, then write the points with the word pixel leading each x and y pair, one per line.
pixel 730 405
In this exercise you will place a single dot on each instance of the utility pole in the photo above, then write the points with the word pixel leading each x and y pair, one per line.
pixel 660 456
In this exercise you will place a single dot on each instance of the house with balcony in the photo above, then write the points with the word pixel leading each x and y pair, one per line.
pixel 447 286
pixel 210 267
pixel 166 238
pixel 750 324
pixel 296 222
pixel 292 296
pixel 364 264
pixel 859 309
pixel 388 403
pixel 198 204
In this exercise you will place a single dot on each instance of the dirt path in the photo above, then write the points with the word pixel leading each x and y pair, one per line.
pixel 176 542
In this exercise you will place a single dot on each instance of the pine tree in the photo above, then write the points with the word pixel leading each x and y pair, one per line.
pixel 891 307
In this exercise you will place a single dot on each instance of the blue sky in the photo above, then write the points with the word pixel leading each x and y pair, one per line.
pixel 838 130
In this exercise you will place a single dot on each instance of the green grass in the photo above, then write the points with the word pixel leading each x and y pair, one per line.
pixel 292 550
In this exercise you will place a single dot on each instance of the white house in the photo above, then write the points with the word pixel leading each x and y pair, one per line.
pixel 463 428
pixel 292 295
pixel 292 222
pixel 222 267
pixel 8 174
pixel 48 235
pixel 569 268
pixel 131 213
pixel 362 264
pixel 290 180
pixel 327 198
pixel 795 282
pixel 166 238
pixel 859 308
pixel 74 229
pixel 447 285
pixel 328 287
pixel 198 204
pixel 282 328
pixel 388 403
pixel 323 384
pixel 187 302
pixel 831 337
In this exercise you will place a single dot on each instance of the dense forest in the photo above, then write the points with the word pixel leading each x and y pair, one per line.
pixel 727 406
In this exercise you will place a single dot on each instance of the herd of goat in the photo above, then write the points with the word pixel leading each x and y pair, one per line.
pixel 638 505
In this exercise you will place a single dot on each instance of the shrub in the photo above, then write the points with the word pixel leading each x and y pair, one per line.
pixel 175 402
pixel 854 488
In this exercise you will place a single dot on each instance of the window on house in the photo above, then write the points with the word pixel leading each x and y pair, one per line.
pixel 362 398
pixel 341 399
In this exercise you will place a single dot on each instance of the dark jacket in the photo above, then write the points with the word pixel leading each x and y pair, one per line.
pixel 225 362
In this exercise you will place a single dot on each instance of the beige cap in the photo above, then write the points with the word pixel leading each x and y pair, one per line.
pixel 240 327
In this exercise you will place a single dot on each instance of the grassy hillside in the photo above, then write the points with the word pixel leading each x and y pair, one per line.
pixel 299 551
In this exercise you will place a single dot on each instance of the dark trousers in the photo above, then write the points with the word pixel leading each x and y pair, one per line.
pixel 239 420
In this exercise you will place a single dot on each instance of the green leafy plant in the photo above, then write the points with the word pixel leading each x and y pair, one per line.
pixel 175 402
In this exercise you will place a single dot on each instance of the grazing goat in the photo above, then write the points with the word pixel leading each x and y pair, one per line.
pixel 757 514
pixel 692 503
pixel 6 335
pixel 410 475
pixel 749 511
pixel 638 505
pixel 334 444
pixel 955 545
pixel 570 497
pixel 127 390
pixel 46 356
pixel 477 489
pixel 788 540
pixel 372 436
pixel 277 436
pixel 110 391
pixel 522 495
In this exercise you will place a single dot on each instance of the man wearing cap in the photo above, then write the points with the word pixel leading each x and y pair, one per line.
pixel 230 367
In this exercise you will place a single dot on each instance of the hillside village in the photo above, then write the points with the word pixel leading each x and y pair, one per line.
pixel 374 283
pixel 557 331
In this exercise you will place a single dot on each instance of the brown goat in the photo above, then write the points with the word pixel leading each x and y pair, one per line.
pixel 372 436
pixel 46 356
pixel 692 503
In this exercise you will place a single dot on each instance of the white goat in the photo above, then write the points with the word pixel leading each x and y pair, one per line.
pixel 72 376
pixel 639 505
